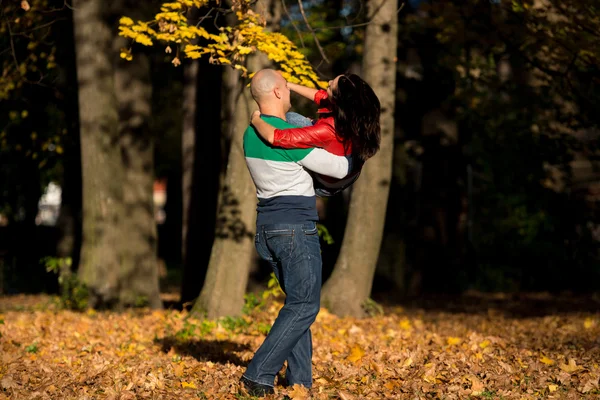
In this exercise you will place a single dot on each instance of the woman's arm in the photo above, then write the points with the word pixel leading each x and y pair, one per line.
pixel 318 135
pixel 263 128
pixel 304 91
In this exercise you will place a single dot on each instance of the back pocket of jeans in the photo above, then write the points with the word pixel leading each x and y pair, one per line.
pixel 280 242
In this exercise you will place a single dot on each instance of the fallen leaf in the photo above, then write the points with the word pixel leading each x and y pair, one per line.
pixel 189 385
pixel 571 367
pixel 356 354
pixel 25 5
pixel 589 323
pixel 552 388
pixel 345 395
pixel 546 360
pixel 405 325
pixel 8 383
pixel 298 392
pixel 590 385
pixel 476 386
pixel 453 340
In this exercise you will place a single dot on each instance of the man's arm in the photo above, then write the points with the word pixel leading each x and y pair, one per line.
pixel 324 163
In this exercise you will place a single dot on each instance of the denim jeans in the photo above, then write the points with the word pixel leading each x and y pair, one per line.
pixel 296 119
pixel 294 253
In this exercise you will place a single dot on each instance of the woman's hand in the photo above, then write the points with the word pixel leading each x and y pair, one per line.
pixel 254 117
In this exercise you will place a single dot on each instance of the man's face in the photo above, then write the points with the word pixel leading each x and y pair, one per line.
pixel 284 90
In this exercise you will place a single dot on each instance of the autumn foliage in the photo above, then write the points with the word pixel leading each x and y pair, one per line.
pixel 483 348
pixel 231 46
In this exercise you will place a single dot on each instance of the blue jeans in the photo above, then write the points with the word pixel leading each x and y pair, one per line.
pixel 294 253
pixel 296 119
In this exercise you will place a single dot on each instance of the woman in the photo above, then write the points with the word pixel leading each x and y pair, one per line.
pixel 348 125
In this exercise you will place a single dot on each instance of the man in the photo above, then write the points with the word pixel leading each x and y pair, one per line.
pixel 286 236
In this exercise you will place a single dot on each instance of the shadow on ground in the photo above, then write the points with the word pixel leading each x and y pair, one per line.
pixel 509 305
pixel 217 351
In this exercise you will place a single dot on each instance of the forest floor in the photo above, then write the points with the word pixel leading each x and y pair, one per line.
pixel 475 346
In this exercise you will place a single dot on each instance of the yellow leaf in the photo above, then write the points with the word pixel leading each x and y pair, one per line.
pixel 188 385
pixel 484 344
pixel 356 354
pixel 552 388
pixel 453 340
pixel 408 362
pixel 589 323
pixel 571 367
pixel 405 325
pixel 125 21
pixel 546 360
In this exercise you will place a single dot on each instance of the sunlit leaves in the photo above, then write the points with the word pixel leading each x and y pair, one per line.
pixel 230 46
pixel 154 354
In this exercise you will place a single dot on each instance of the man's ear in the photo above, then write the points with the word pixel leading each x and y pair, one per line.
pixel 277 93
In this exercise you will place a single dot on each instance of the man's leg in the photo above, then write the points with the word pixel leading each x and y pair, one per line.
pixel 299 368
pixel 298 250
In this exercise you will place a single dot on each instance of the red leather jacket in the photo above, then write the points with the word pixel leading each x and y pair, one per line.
pixel 321 134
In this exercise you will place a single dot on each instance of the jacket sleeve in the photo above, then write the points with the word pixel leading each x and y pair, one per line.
pixel 318 135
pixel 321 98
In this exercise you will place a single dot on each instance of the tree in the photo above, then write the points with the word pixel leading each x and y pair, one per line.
pixel 138 270
pixel 101 159
pixel 349 286
pixel 118 256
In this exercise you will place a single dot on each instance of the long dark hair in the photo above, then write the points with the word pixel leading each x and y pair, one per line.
pixel 356 110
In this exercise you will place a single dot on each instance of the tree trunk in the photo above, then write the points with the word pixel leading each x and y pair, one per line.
pixel 233 251
pixel 139 268
pixel 231 256
pixel 349 286
pixel 102 172
pixel 188 161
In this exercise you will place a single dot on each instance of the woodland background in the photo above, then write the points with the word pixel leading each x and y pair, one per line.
pixel 487 180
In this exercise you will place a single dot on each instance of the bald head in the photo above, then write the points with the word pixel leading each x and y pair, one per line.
pixel 263 84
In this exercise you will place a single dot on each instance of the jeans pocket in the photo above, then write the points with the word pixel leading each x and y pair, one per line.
pixel 310 231
pixel 280 242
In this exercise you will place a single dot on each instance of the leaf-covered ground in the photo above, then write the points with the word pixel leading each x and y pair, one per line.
pixel 483 347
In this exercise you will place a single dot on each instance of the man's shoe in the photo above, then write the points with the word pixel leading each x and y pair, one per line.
pixel 256 389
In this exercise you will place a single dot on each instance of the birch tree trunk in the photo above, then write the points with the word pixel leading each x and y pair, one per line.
pixel 102 172
pixel 349 286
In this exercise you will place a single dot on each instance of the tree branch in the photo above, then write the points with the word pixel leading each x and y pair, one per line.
pixel 357 25
pixel 293 23
pixel 313 33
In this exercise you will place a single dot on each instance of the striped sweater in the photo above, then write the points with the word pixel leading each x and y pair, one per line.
pixel 283 186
